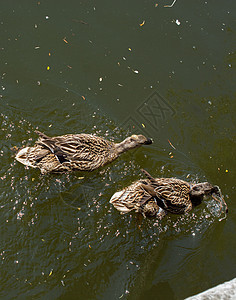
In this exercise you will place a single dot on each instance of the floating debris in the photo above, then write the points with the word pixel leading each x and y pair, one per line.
pixel 177 22
pixel 171 144
pixel 171 4
pixel 80 21
pixel 142 24
pixel 62 282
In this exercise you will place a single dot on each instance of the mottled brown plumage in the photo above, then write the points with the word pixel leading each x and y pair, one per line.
pixel 84 152
pixel 134 197
pixel 170 194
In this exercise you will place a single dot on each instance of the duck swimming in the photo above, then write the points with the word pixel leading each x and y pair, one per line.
pixel 83 152
pixel 158 196
pixel 135 197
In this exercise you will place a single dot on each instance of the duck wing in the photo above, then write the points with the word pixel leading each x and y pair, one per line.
pixel 131 198
pixel 77 148
pixel 171 194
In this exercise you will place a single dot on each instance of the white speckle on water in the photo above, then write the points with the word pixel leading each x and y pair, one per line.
pixel 177 22
pixel 62 282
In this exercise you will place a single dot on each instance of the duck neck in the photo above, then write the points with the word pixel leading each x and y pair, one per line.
pixel 121 147
pixel 124 146
pixel 196 197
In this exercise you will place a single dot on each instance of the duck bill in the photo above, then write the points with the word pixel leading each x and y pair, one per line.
pixel 148 141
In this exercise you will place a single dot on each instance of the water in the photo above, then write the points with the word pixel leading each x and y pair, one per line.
pixel 90 67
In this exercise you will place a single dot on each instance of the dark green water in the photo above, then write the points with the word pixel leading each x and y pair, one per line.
pixel 172 79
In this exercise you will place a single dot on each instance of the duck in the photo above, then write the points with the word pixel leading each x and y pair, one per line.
pixel 159 196
pixel 136 198
pixel 70 152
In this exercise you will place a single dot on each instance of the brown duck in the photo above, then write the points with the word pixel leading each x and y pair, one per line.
pixel 84 152
pixel 157 196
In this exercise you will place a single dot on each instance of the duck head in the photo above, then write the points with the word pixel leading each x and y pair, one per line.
pixel 133 141
pixel 199 190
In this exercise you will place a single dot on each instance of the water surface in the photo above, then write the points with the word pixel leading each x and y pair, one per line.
pixel 114 69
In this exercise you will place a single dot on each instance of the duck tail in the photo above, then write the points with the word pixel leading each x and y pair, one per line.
pixel 148 175
pixel 42 135
pixel 23 157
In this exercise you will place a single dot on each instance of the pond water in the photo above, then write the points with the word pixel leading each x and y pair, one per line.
pixel 114 69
